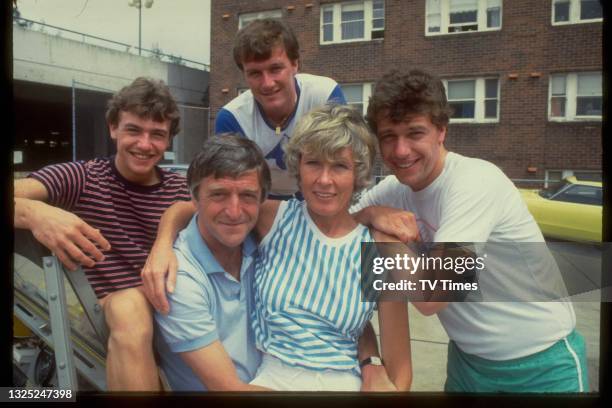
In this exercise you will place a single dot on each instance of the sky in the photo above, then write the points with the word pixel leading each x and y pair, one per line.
pixel 177 27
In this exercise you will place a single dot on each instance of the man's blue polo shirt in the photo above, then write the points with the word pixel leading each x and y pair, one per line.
pixel 207 304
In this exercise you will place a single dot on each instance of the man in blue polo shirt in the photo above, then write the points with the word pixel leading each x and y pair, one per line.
pixel 206 340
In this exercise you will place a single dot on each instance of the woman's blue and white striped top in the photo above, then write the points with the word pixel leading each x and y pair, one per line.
pixel 308 305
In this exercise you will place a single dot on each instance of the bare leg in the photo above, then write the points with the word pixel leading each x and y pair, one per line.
pixel 130 365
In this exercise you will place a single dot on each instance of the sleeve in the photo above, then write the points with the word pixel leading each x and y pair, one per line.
pixel 64 183
pixel 337 96
pixel 183 193
pixel 472 208
pixel 389 193
pixel 226 122
pixel 190 324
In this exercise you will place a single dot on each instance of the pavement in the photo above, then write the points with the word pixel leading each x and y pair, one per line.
pixel 429 339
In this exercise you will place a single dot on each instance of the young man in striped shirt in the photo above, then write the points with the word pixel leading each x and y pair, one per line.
pixel 103 214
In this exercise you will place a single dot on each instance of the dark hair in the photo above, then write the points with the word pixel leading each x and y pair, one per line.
pixel 228 155
pixel 398 95
pixel 255 41
pixel 146 98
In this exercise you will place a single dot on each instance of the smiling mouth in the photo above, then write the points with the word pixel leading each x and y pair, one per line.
pixel 142 156
pixel 406 164
pixel 324 196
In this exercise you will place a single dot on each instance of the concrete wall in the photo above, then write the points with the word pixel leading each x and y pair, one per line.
pixel 53 60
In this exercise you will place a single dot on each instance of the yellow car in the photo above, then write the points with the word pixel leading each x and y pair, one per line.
pixel 570 210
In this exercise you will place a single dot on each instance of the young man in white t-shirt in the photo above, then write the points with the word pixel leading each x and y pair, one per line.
pixel 495 346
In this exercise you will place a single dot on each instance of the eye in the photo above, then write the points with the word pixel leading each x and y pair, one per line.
pixel 249 197
pixel 386 138
pixel 342 166
pixel 159 135
pixel 217 195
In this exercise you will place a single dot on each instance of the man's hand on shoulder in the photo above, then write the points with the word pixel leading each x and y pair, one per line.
pixel 70 238
pixel 159 275
pixel 391 221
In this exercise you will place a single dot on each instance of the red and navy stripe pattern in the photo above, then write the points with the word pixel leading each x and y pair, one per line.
pixel 126 214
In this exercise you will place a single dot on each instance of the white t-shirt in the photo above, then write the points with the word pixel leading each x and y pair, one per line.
pixel 473 201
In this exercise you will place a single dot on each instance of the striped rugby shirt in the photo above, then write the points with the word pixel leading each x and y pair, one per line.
pixel 308 308
pixel 126 214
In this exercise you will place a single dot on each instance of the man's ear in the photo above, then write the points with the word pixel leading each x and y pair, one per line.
pixel 295 65
pixel 442 134
pixel 112 129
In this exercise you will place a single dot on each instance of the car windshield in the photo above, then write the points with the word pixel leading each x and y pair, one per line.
pixel 553 189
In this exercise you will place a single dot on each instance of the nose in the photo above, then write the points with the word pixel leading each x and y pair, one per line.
pixel 325 175
pixel 402 147
pixel 267 80
pixel 232 209
pixel 144 141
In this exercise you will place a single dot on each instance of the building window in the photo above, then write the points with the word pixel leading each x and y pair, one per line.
pixel 245 18
pixel 357 95
pixel 576 11
pixel 552 177
pixel 459 16
pixel 473 100
pixel 575 96
pixel 352 21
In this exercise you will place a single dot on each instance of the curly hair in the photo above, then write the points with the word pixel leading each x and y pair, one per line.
pixel 326 130
pixel 398 95
pixel 146 98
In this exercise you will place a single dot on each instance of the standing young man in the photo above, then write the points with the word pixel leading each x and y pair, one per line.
pixel 103 214
pixel 522 346
pixel 267 53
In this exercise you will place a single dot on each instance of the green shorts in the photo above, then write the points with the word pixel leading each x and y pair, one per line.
pixel 560 368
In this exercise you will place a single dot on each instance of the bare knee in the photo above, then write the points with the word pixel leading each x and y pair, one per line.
pixel 129 318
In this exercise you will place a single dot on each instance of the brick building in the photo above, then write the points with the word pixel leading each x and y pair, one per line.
pixel 524 77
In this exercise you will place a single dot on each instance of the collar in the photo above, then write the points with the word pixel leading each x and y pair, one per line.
pixel 291 115
pixel 135 186
pixel 202 253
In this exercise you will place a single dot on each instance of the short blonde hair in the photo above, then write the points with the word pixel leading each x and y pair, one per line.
pixel 324 132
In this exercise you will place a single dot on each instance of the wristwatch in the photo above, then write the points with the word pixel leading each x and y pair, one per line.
pixel 373 360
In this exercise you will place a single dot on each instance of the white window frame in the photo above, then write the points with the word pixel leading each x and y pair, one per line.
pixel 481 19
pixel 366 92
pixel 275 13
pixel 571 95
pixel 574 14
pixel 337 22
pixel 479 100
pixel 565 173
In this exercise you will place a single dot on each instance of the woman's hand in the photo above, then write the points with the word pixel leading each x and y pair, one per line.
pixel 375 379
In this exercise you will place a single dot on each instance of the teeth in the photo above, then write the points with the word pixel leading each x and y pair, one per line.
pixel 324 195
pixel 405 165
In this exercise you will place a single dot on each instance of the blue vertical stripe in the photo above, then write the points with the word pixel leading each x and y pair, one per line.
pixel 308 308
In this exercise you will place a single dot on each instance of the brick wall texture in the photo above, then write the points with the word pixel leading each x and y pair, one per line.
pixel 526 43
